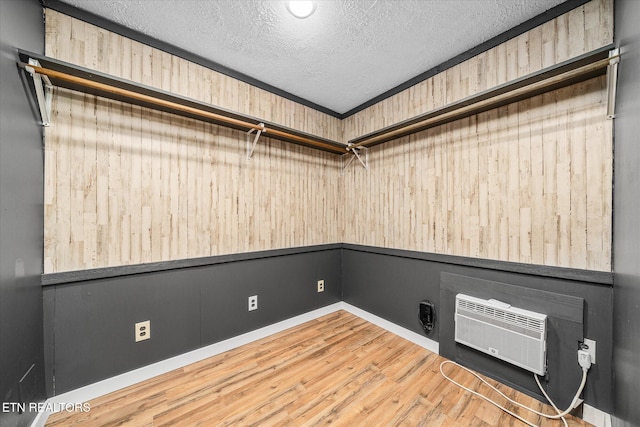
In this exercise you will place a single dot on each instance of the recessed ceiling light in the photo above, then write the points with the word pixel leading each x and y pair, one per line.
pixel 301 9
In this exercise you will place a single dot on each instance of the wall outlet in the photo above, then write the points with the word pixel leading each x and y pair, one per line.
pixel 143 330
pixel 320 285
pixel 590 347
pixel 253 302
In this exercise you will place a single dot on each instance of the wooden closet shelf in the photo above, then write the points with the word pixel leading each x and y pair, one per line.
pixel 573 71
pixel 69 76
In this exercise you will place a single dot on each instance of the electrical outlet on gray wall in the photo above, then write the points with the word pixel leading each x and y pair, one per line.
pixel 253 302
pixel 143 330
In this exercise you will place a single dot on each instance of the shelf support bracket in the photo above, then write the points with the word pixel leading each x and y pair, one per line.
pixel 44 90
pixel 252 146
pixel 360 153
pixel 612 82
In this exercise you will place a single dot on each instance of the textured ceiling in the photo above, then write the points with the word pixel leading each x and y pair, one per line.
pixel 343 55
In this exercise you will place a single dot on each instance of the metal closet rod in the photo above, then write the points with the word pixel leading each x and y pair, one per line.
pixel 535 84
pixel 171 105
pixel 560 75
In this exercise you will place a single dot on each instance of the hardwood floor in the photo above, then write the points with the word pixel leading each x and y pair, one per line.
pixel 338 369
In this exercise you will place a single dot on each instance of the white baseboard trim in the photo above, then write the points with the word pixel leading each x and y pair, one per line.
pixel 596 417
pixel 393 328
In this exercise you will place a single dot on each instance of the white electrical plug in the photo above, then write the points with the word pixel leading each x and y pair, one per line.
pixel 584 359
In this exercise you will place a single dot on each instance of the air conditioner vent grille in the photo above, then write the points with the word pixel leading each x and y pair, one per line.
pixel 512 334
pixel 514 319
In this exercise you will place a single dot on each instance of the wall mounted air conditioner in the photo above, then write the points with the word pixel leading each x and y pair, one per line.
pixel 514 335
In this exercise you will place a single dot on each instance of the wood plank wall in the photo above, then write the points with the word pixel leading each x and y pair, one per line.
pixel 579 31
pixel 128 185
pixel 530 182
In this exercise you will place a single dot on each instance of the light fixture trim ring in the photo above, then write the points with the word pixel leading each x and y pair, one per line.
pixel 301 9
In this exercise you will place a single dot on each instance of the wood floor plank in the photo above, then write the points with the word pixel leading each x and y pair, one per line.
pixel 338 369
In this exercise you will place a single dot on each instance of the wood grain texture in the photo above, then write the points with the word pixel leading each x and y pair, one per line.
pixel 338 370
pixel 577 32
pixel 129 185
pixel 69 39
pixel 529 182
